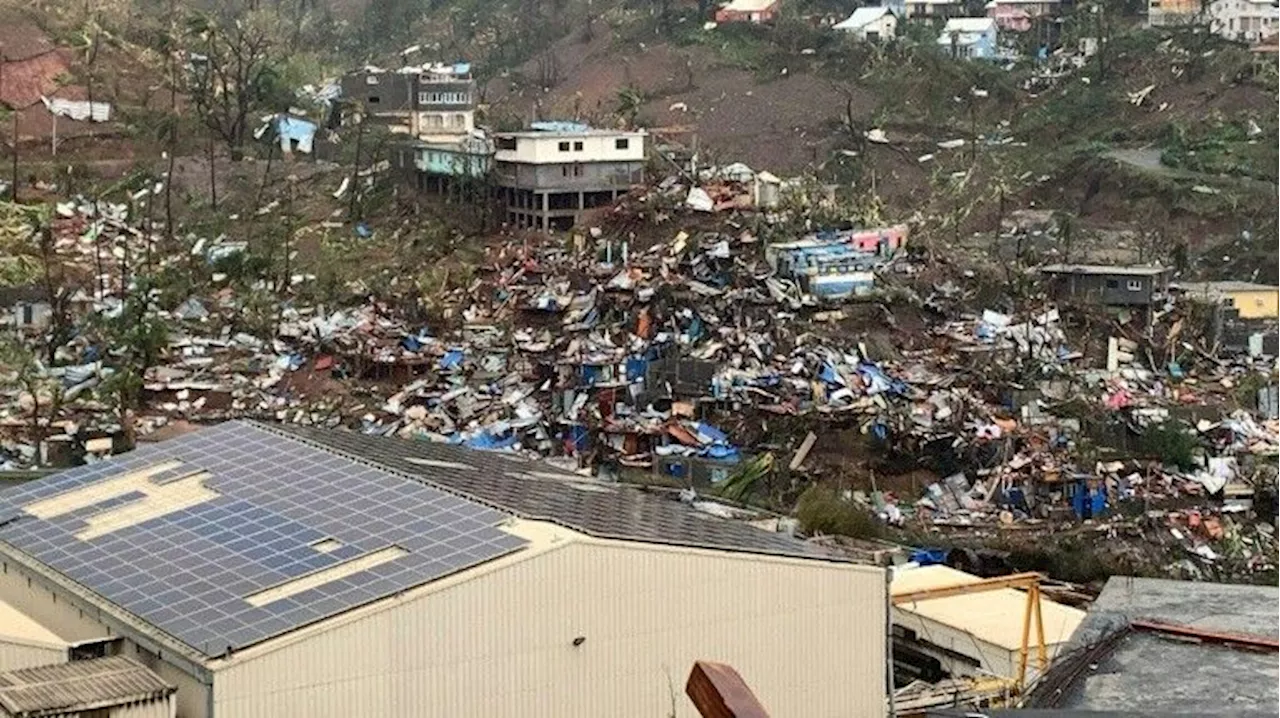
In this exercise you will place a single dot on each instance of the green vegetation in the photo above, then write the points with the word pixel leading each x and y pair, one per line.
pixel 1243 148
pixel 1171 443
pixel 823 510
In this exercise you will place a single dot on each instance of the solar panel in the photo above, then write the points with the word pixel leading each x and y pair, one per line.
pixel 188 571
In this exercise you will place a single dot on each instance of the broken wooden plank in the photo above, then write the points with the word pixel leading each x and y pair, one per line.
pixel 717 691
pixel 803 452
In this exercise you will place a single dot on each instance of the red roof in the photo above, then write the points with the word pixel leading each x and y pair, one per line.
pixel 21 39
pixel 27 80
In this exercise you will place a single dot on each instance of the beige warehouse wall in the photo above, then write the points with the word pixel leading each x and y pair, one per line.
pixel 807 636
pixel 192 698
pixel 30 596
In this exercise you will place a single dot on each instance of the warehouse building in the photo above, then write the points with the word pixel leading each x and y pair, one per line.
pixel 269 571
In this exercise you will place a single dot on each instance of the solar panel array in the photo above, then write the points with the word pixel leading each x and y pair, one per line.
pixel 531 490
pixel 188 572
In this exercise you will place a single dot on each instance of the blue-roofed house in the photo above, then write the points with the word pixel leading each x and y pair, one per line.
pixel 284 571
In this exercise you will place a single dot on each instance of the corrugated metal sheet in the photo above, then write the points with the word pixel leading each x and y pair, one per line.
pixel 15 655
pixel 991 616
pixel 80 685
pixel 807 636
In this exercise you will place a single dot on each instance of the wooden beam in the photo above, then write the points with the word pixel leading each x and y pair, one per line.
pixel 1017 580
pixel 717 691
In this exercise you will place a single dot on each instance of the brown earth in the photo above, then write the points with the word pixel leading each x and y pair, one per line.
pixel 783 125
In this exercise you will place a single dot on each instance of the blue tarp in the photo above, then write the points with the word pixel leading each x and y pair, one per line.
pixel 558 126
pixel 590 373
pixel 411 344
pixel 929 556
pixel 880 431
pixel 830 375
pixel 715 435
pixel 877 381
pixel 487 442
pixel 452 359
pixel 722 452
pixel 637 367
pixel 766 380
pixel 578 434
pixel 292 129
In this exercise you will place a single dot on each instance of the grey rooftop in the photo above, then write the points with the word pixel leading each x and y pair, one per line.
pixel 69 688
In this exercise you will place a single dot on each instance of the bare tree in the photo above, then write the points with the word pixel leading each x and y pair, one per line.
pixel 231 75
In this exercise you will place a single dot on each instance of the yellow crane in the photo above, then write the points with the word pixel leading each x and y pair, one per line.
pixel 1030 582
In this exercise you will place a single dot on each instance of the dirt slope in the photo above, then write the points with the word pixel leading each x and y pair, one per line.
pixel 782 124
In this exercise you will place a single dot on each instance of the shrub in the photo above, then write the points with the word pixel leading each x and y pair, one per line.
pixel 824 510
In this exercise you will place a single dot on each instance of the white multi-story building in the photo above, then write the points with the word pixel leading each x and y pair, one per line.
pixel 1244 20
pixel 1241 20
pixel 434 103
pixel 557 170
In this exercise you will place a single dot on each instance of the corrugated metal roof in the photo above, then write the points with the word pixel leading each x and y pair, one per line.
pixel 1102 269
pixel 991 616
pixel 79 686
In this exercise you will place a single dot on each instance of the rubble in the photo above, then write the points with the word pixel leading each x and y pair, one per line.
pixel 616 354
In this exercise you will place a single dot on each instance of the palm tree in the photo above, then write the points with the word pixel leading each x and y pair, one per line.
pixel 629 102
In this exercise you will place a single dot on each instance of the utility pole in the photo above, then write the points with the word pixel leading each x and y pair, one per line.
pixel 13 188
pixel 355 167
pixel 173 133
pixel 213 175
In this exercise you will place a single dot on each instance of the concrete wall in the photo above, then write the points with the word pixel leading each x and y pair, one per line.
pixel 388 92
pixel 883 28
pixel 1113 290
pixel 447 162
pixel 1256 303
pixel 992 658
pixel 56 613
pixel 809 637
pixel 560 148
pixel 192 698
pixel 584 177
pixel 445 94
pixel 442 122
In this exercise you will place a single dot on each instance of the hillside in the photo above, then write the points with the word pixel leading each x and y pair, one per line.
pixel 1159 140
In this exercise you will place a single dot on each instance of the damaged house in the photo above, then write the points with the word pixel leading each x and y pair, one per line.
pixel 1106 284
